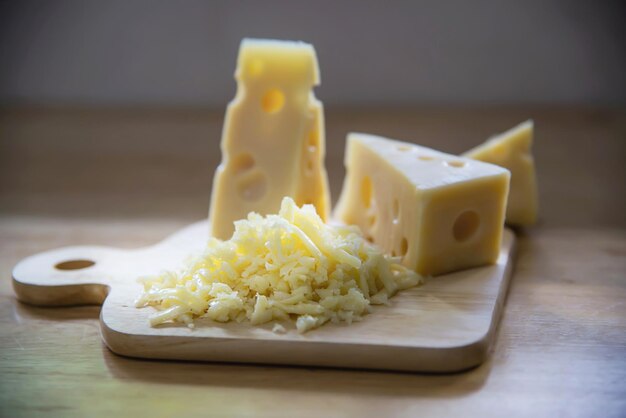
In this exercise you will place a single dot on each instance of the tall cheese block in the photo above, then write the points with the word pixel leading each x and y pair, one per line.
pixel 439 212
pixel 273 137
pixel 512 150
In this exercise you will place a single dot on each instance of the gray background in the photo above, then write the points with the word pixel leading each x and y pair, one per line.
pixel 370 52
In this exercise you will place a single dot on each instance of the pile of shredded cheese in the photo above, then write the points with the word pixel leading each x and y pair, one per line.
pixel 290 265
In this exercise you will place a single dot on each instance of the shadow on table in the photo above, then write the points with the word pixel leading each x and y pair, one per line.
pixel 298 378
pixel 23 312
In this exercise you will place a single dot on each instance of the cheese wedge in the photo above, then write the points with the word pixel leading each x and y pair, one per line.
pixel 512 150
pixel 439 212
pixel 273 137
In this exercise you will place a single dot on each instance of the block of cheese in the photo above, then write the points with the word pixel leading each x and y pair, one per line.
pixel 273 136
pixel 512 150
pixel 439 212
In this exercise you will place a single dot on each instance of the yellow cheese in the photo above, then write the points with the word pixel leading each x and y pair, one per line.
pixel 273 136
pixel 276 267
pixel 512 150
pixel 439 212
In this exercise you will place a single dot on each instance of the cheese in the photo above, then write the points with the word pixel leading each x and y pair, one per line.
pixel 290 265
pixel 439 212
pixel 273 137
pixel 512 150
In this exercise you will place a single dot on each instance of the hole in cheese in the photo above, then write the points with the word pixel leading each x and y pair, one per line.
pixel 314 139
pixel 309 167
pixel 253 187
pixel 404 148
pixel 366 191
pixel 312 150
pixel 466 225
pixel 243 162
pixel 404 246
pixel 395 210
pixel 455 163
pixel 74 264
pixel 425 158
pixel 273 101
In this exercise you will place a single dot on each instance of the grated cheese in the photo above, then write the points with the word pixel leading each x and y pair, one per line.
pixel 279 267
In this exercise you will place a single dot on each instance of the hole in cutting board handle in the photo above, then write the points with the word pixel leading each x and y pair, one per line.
pixel 74 264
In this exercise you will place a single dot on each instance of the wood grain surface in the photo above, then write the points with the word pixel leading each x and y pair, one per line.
pixel 128 178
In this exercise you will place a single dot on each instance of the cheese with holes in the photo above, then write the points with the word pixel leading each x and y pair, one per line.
pixel 439 212
pixel 273 136
pixel 512 150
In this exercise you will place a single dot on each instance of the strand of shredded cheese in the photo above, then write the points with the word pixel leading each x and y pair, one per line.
pixel 290 265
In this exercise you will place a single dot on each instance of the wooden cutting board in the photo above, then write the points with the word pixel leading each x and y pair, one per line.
pixel 445 325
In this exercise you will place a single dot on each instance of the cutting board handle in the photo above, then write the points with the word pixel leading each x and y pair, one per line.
pixel 66 276
pixel 84 275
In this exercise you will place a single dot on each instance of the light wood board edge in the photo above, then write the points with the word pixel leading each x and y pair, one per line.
pixel 316 353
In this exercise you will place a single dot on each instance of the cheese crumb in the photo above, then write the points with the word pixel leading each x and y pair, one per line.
pixel 286 266
pixel 278 329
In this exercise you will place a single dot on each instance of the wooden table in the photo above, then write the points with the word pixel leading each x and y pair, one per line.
pixel 130 177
